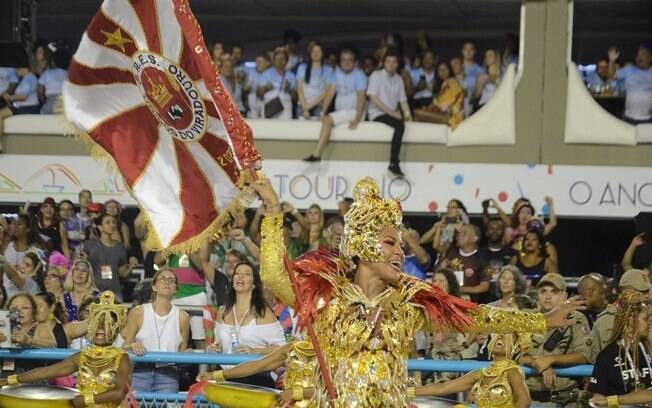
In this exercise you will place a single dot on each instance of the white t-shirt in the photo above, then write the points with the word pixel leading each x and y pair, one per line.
pixel 160 333
pixel 252 335
pixel 388 88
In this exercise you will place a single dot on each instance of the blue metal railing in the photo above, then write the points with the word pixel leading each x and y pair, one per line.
pixel 232 359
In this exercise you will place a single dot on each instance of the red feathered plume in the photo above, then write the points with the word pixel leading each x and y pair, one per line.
pixel 444 310
pixel 310 270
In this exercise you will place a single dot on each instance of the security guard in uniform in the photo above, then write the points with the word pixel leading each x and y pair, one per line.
pixel 558 347
pixel 633 279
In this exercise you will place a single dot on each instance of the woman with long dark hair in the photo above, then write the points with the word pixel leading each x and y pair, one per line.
pixel 51 228
pixel 312 78
pixel 533 260
pixel 447 107
pixel 25 238
pixel 246 324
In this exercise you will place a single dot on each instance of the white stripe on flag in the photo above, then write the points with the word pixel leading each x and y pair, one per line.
pixel 203 90
pixel 94 55
pixel 123 14
pixel 158 188
pixel 223 189
pixel 88 106
pixel 171 35
pixel 216 127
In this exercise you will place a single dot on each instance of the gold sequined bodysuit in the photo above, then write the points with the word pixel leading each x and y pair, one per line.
pixel 492 390
pixel 107 358
pixel 366 341
pixel 301 366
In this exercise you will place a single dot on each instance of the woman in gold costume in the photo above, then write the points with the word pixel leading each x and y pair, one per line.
pixel 501 385
pixel 364 310
pixel 104 370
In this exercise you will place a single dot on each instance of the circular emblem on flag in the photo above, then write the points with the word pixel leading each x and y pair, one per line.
pixel 171 95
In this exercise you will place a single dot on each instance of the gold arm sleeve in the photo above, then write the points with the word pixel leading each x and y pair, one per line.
pixel 493 320
pixel 272 259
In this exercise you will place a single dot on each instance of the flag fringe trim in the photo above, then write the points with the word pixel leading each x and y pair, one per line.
pixel 238 205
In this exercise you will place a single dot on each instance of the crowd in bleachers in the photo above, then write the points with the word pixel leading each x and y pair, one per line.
pixel 57 258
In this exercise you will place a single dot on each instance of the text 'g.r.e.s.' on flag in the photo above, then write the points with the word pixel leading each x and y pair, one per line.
pixel 143 91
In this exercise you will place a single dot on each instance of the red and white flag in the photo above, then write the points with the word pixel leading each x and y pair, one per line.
pixel 143 90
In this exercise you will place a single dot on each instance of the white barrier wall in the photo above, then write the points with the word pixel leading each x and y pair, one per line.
pixel 586 191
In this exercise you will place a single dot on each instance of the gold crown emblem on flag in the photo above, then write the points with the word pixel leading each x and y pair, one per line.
pixel 159 93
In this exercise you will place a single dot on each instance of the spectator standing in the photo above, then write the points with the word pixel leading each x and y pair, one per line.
pixel 51 80
pixel 558 347
pixel 466 260
pixel 637 254
pixel 471 72
pixel 85 198
pixel 253 82
pixel 51 228
pixel 291 39
pixel 424 80
pixel 312 78
pixel 247 324
pixel 157 326
pixel 593 288
pixel 636 80
pixel 233 83
pixel 487 83
pixel 41 59
pixel 510 283
pixel 122 232
pixel 71 225
pixel 623 367
pixel 495 251
pixel 108 257
pixel 79 286
pixel 533 260
pixel 279 85
pixel 347 85
pixel 599 81
pixel 369 64
pixel 25 238
pixel 22 279
pixel 632 280
pixel 386 92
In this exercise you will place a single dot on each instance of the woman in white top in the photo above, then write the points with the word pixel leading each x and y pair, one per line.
pixel 157 326
pixel 246 324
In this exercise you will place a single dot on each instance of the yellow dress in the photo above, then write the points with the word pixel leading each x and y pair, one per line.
pixel 452 94
pixel 492 390
pixel 366 342
pixel 107 379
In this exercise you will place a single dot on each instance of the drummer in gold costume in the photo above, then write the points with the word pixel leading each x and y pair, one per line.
pixel 104 370
pixel 364 310
pixel 501 385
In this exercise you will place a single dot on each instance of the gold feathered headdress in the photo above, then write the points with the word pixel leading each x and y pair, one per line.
pixel 369 215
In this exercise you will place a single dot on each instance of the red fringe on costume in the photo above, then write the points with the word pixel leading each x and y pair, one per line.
pixel 309 270
pixel 444 310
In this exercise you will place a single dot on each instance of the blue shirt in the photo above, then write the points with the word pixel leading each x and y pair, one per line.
pixel 412 267
pixel 52 79
pixel 347 86
pixel 594 81
pixel 430 83
pixel 7 76
pixel 471 72
pixel 27 86
pixel 319 78
pixel 637 84
pixel 271 76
